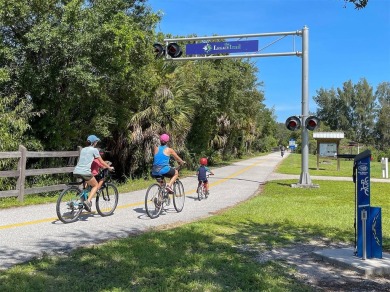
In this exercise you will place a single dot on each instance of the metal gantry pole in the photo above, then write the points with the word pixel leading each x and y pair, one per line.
pixel 305 180
pixel 305 176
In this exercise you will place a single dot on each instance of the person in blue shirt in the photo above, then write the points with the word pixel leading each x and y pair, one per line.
pixel 202 173
pixel 83 167
pixel 161 165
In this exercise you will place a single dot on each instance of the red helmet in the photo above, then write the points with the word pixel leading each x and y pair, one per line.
pixel 203 161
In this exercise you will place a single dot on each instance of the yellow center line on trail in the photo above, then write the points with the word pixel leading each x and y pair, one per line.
pixel 237 173
pixel 21 224
pixel 28 223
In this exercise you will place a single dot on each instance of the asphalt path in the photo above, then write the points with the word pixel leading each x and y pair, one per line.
pixel 32 231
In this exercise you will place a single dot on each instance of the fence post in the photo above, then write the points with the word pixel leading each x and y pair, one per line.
pixel 22 172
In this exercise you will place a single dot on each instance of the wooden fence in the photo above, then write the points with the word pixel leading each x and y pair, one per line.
pixel 21 173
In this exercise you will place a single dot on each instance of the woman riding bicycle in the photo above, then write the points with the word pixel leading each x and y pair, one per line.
pixel 83 167
pixel 161 165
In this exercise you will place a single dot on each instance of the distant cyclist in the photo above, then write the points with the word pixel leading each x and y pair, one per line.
pixel 83 167
pixel 282 149
pixel 161 165
pixel 202 173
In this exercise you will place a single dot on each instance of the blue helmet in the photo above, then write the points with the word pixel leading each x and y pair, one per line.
pixel 92 138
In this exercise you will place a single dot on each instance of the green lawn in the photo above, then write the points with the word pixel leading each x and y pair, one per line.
pixel 327 166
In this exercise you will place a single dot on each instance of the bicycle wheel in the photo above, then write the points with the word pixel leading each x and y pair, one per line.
pixel 154 201
pixel 178 196
pixel 107 199
pixel 206 193
pixel 200 192
pixel 69 204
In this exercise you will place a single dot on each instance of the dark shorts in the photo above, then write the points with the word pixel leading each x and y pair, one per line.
pixel 204 181
pixel 171 172
pixel 98 177
pixel 84 177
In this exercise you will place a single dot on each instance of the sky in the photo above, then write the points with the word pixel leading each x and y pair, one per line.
pixel 344 43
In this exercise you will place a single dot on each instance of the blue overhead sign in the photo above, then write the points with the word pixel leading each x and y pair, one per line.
pixel 222 47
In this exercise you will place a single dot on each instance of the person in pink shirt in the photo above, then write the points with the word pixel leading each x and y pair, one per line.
pixel 95 169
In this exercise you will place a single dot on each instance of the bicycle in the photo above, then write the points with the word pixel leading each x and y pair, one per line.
pixel 202 192
pixel 70 203
pixel 157 196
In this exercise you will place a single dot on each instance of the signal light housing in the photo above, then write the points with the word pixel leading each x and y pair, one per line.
pixel 293 123
pixel 174 50
pixel 159 50
pixel 312 122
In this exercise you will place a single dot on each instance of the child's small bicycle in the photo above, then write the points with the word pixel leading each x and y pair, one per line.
pixel 202 191
pixel 70 203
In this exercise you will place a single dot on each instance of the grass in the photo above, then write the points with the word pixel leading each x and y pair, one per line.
pixel 327 166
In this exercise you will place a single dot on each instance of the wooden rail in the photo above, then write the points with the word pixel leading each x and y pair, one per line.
pixel 21 173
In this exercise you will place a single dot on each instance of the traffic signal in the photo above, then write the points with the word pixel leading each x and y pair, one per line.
pixel 293 123
pixel 312 123
pixel 174 50
pixel 159 50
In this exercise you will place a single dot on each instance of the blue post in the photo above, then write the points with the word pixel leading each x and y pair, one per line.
pixel 368 220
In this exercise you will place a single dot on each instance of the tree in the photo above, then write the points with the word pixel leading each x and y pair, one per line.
pixel 350 109
pixel 359 4
pixel 382 94
pixel 84 63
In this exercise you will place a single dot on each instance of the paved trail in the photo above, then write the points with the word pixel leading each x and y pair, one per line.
pixel 28 232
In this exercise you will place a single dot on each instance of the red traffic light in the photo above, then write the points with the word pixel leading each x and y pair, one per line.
pixel 312 123
pixel 293 123
pixel 159 50
pixel 174 50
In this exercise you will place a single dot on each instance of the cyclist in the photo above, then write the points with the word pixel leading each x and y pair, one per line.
pixel 83 167
pixel 96 166
pixel 282 149
pixel 202 174
pixel 161 165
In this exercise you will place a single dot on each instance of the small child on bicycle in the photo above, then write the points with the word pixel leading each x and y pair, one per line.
pixel 202 173
pixel 96 168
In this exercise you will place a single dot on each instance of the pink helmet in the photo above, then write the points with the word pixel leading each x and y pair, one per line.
pixel 164 138
pixel 203 161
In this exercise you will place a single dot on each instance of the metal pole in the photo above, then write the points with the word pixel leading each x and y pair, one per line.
pixel 364 227
pixel 305 176
pixel 218 37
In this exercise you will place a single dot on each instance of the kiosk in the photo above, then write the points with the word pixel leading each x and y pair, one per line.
pixel 368 220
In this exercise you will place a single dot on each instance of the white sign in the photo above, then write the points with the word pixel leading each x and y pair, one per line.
pixel 328 149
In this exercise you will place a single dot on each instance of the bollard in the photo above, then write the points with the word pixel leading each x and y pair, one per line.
pixel 385 167
pixel 364 222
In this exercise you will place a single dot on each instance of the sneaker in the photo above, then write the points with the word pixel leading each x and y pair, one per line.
pixel 88 205
pixel 169 189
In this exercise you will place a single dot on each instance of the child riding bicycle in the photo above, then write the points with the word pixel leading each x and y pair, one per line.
pixel 97 167
pixel 202 174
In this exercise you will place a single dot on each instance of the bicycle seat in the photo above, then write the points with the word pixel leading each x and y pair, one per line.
pixel 75 183
pixel 159 178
